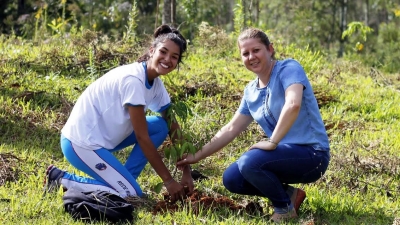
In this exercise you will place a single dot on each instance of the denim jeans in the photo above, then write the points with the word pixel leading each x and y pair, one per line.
pixel 268 173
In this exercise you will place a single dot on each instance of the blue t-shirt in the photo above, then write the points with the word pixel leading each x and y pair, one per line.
pixel 265 106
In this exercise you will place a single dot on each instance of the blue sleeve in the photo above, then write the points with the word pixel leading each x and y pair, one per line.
pixel 292 73
pixel 243 107
pixel 165 107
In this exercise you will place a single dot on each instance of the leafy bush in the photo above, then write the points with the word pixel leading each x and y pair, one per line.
pixel 388 48
pixel 214 40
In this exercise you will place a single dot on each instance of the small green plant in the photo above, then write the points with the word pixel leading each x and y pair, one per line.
pixel 58 25
pixel 239 19
pixel 130 34
pixel 92 67
pixel 361 30
pixel 183 143
pixel 38 16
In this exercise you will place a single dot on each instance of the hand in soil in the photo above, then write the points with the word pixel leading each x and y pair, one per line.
pixel 187 181
pixel 176 191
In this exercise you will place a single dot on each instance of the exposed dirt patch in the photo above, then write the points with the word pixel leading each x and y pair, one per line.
pixel 343 126
pixel 8 168
pixel 323 98
pixel 200 201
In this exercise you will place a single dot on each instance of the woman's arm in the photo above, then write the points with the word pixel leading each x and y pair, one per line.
pixel 138 119
pixel 227 133
pixel 289 113
pixel 139 124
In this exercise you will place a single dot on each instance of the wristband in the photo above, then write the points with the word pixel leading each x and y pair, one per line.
pixel 168 182
pixel 271 141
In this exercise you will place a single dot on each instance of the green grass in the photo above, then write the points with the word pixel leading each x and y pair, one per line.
pixel 39 84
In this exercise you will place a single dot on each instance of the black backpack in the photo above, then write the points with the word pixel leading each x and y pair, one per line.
pixel 97 206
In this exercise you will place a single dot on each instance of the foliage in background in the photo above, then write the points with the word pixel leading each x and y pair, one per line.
pixel 316 24
pixel 42 78
pixel 40 83
pixel 360 30
pixel 239 18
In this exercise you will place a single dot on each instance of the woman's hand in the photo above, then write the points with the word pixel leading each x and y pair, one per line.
pixel 175 190
pixel 264 145
pixel 187 180
pixel 187 159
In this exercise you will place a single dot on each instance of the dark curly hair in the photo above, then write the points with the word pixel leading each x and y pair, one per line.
pixel 163 33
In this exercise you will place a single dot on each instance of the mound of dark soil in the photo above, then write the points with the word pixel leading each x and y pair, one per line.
pixel 199 200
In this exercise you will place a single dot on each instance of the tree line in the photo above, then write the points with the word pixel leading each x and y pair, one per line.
pixel 371 26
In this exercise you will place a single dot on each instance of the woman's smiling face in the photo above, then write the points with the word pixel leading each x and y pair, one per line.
pixel 163 58
pixel 255 55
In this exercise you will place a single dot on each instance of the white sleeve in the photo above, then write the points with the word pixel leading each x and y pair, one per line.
pixel 131 92
pixel 161 100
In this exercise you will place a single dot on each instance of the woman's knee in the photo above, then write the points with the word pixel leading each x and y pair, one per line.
pixel 67 149
pixel 157 124
pixel 227 181
pixel 231 177
pixel 248 162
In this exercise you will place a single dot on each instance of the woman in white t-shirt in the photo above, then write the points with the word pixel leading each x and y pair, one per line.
pixel 110 115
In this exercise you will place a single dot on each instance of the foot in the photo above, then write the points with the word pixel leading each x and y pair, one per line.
pixel 279 218
pixel 297 198
pixel 53 178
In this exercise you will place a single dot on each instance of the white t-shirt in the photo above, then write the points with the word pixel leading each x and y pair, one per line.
pixel 100 117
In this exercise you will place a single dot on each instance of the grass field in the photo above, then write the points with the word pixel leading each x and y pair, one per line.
pixel 39 83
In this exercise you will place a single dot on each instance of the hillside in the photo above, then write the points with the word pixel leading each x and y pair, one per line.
pixel 40 82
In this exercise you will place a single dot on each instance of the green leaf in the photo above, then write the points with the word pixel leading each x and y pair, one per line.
pixel 158 187
pixel 173 154
pixel 181 150
pixel 179 133
pixel 167 153
pixel 192 149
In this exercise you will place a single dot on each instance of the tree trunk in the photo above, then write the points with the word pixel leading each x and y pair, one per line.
pixel 257 19
pixel 343 26
pixel 244 8
pixel 231 15
pixel 173 12
pixel 251 17
pixel 21 7
pixel 366 12
pixel 333 30
pixel 167 14
pixel 254 9
pixel 157 8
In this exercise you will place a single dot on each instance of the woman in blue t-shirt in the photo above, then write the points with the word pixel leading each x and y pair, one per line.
pixel 282 102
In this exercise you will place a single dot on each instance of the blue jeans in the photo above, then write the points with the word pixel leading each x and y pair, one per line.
pixel 268 173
